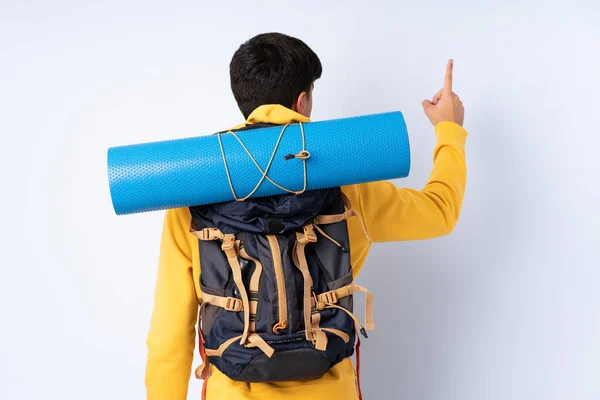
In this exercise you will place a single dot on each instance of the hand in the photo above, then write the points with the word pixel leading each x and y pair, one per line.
pixel 445 105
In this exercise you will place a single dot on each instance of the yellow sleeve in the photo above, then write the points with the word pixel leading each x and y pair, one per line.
pixel 394 214
pixel 172 334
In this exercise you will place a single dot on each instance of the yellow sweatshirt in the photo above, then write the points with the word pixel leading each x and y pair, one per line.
pixel 390 214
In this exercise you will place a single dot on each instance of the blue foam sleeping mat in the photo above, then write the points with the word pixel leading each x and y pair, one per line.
pixel 192 171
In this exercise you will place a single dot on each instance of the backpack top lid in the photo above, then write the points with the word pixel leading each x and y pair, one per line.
pixel 265 215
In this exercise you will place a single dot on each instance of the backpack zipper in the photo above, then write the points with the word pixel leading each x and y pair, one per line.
pixel 280 279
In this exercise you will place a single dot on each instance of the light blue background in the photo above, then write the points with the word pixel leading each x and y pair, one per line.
pixel 507 307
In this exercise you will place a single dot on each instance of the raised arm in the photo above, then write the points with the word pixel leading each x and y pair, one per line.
pixel 393 214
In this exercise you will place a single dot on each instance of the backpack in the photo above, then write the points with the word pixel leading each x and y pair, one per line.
pixel 277 287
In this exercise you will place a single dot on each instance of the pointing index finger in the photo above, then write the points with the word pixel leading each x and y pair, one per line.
pixel 448 77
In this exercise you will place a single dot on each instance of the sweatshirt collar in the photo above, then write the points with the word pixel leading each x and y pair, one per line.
pixel 273 114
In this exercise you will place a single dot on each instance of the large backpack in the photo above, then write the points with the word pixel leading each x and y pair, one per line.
pixel 277 286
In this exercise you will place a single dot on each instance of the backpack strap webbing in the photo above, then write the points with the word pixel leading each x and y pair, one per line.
pixel 207 233
pixel 228 303
pixel 254 340
pixel 231 248
pixel 335 218
pixel 254 287
pixel 203 370
pixel 330 298
pixel 311 319
pixel 319 337
pixel 219 352
pixel 358 367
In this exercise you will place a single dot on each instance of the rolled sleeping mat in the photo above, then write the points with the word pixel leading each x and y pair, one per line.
pixel 209 169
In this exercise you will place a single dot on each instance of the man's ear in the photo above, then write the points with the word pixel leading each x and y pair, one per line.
pixel 300 103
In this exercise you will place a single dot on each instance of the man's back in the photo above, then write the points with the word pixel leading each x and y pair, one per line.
pixel 390 214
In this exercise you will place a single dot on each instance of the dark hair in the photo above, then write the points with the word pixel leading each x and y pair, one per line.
pixel 272 68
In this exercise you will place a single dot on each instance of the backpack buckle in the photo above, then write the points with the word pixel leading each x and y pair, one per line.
pixel 228 242
pixel 309 235
pixel 317 303
pixel 210 234
pixel 328 297
pixel 233 304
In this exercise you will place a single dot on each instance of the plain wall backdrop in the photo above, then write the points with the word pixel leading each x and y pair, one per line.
pixel 507 307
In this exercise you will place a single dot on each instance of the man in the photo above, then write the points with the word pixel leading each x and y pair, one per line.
pixel 272 79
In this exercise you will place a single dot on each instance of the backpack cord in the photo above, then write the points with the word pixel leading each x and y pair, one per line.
pixel 329 237
pixel 302 155
pixel 335 218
